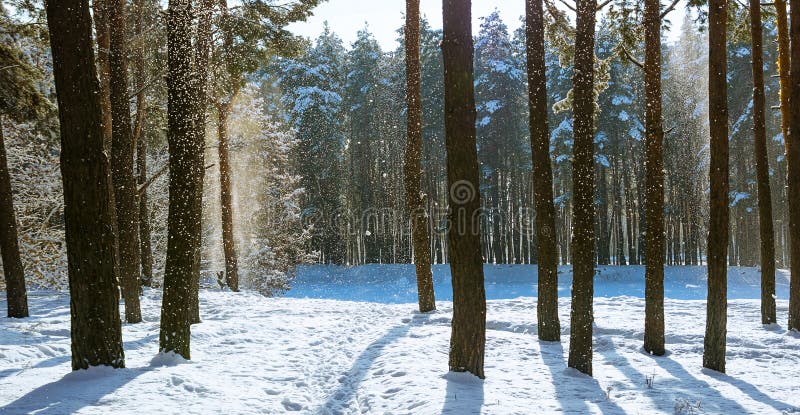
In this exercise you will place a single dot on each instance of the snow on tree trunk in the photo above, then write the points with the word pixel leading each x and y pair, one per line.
pixel 185 167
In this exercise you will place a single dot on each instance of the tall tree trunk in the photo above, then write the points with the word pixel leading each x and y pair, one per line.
pixel 185 166
pixel 88 203
pixel 784 66
pixel 415 200
pixel 231 89
pixel 145 249
pixel 793 160
pixel 122 149
pixel 547 264
pixel 762 170
pixel 468 337
pixel 14 273
pixel 201 63
pixel 717 306
pixel 583 255
pixel 103 39
pixel 654 186
pixel 226 198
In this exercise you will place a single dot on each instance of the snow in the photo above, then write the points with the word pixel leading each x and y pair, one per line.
pixel 334 356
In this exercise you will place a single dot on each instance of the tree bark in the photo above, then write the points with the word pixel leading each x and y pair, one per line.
pixel 766 225
pixel 13 271
pixel 654 186
pixel 468 337
pixel 793 161
pixel 784 65
pixel 145 249
pixel 122 160
pixel 583 249
pixel 103 39
pixel 185 166
pixel 201 63
pixel 415 200
pixel 547 252
pixel 88 203
pixel 717 306
pixel 226 199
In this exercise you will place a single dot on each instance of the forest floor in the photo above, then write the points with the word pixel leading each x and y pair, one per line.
pixel 332 356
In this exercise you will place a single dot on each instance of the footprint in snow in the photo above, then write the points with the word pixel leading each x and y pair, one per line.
pixel 291 406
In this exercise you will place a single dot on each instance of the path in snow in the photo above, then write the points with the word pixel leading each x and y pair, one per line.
pixel 257 355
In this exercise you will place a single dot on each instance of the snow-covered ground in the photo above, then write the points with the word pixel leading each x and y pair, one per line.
pixel 329 356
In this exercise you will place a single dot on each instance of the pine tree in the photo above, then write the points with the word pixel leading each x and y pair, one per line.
pixel 88 202
pixel 202 59
pixel 762 169
pixel 141 140
pixel 13 271
pixel 793 160
pixel 101 11
pixel 717 307
pixel 414 197
pixel 654 182
pixel 231 87
pixel 583 249
pixel 122 159
pixel 547 306
pixel 468 337
pixel 312 86
pixel 185 166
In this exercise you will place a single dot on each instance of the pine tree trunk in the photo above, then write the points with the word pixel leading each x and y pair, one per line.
pixel 122 157
pixel 717 306
pixel 793 161
pixel 201 63
pixel 145 244
pixel 468 337
pixel 654 186
pixel 762 170
pixel 145 249
pixel 415 201
pixel 14 273
pixel 88 203
pixel 185 166
pixel 547 264
pixel 226 200
pixel 103 39
pixel 784 66
pixel 583 250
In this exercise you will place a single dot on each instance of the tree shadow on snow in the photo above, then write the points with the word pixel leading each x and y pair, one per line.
pixel 574 390
pixel 698 389
pixel 621 363
pixel 76 390
pixel 751 391
pixel 341 398
pixel 464 394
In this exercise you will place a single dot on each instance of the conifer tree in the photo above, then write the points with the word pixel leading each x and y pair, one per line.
pixel 468 337
pixel 88 202
pixel 415 199
pixel 717 306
